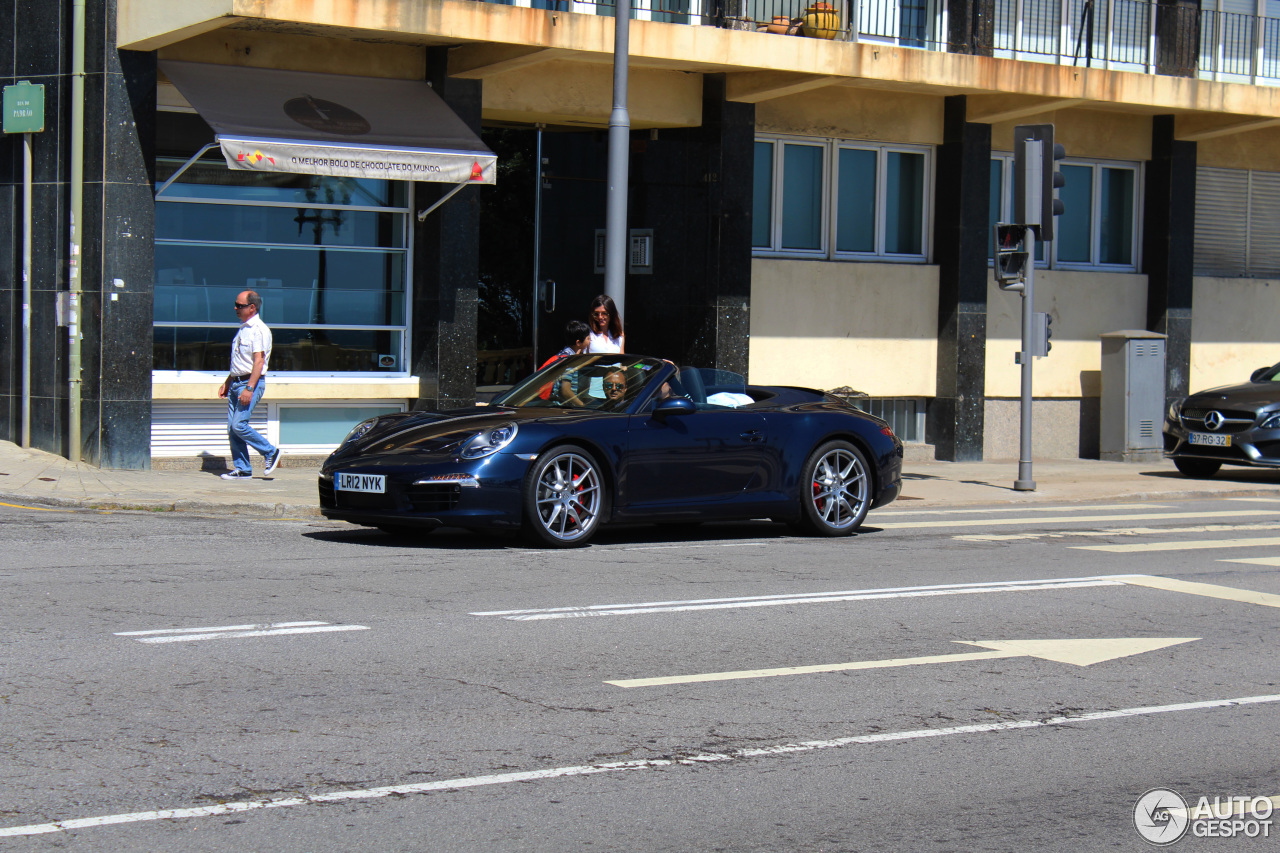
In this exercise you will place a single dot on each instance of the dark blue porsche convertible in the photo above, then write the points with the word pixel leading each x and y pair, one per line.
pixel 603 439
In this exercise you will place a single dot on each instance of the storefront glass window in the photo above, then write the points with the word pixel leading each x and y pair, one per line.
pixel 328 256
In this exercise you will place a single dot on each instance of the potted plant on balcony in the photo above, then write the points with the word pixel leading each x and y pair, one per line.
pixel 821 21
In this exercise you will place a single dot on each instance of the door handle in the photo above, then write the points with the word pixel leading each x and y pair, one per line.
pixel 752 436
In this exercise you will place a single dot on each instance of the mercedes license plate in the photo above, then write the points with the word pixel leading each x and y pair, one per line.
pixel 372 483
pixel 1210 439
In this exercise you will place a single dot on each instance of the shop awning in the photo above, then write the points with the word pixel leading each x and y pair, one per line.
pixel 306 123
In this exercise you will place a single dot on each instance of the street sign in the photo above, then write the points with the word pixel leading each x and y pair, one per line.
pixel 24 107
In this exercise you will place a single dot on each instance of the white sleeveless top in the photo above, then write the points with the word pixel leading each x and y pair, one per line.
pixel 603 343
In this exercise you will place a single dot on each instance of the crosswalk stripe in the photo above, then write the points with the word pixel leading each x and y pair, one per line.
pixel 894 510
pixel 1208 590
pixel 1256 561
pixel 1112 531
pixel 1071 519
pixel 1185 545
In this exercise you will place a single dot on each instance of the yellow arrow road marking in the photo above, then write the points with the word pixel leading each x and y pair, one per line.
pixel 1077 652
pixel 1247 596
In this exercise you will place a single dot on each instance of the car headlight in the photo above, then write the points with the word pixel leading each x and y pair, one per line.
pixel 1270 420
pixel 360 429
pixel 1175 410
pixel 488 441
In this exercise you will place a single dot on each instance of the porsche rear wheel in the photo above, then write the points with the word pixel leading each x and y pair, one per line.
pixel 564 496
pixel 836 490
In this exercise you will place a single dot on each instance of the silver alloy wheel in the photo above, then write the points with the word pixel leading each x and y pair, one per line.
pixel 568 496
pixel 839 488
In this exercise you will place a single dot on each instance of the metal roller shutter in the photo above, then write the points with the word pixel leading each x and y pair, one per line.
pixel 1222 222
pixel 195 429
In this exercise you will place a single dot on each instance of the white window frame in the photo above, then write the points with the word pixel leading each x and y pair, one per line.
pixel 830 165
pixel 405 331
pixel 1095 199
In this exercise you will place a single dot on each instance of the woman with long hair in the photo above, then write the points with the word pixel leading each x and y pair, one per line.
pixel 606 326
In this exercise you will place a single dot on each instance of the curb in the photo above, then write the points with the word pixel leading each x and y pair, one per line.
pixel 269 510
pixel 1203 494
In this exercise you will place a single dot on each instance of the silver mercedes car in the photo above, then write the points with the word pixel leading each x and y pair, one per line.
pixel 1233 425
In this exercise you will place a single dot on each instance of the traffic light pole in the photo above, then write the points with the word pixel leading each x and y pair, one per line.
pixel 1031 196
pixel 1025 482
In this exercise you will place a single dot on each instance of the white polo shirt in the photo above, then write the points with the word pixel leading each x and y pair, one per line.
pixel 254 336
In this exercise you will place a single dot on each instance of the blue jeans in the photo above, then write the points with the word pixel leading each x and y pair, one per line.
pixel 242 435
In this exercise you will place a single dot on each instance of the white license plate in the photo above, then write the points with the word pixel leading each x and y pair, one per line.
pixel 373 483
pixel 1210 439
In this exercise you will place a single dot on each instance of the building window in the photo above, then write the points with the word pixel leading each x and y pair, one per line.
pixel 1099 228
pixel 837 199
pixel 1237 223
pixel 329 256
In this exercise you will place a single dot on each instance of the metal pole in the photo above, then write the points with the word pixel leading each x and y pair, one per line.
pixel 26 289
pixel 615 239
pixel 77 224
pixel 1025 482
pixel 535 306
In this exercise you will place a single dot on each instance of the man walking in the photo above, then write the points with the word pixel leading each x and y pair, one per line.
pixel 243 387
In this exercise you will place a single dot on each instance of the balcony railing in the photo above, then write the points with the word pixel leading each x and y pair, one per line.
pixel 1128 35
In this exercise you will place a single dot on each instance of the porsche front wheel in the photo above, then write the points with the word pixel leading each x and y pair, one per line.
pixel 564 496
pixel 835 493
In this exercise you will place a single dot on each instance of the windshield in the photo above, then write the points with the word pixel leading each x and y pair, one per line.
pixel 1267 374
pixel 607 382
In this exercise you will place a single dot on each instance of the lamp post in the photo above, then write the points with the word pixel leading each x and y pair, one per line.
pixel 615 239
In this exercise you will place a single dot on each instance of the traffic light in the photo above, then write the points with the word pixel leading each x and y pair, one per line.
pixel 1035 177
pixel 1011 256
pixel 1041 332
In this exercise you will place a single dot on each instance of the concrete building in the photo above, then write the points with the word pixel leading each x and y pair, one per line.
pixel 812 185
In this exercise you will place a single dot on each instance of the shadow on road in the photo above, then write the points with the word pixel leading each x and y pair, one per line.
pixel 640 534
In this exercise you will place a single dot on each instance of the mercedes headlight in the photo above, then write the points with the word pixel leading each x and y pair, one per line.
pixel 1175 410
pixel 488 441
pixel 360 429
pixel 1270 420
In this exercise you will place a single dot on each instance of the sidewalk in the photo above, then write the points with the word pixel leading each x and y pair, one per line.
pixel 35 478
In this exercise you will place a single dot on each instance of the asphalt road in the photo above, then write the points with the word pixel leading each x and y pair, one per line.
pixel 215 684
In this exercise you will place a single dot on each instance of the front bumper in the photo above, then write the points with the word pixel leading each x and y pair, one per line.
pixel 1251 446
pixel 479 494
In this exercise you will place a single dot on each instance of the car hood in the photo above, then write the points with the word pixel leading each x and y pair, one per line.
pixel 439 432
pixel 1251 395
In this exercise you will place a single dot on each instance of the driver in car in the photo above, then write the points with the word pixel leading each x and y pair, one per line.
pixel 615 385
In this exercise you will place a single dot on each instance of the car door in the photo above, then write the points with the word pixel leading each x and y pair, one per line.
pixel 707 456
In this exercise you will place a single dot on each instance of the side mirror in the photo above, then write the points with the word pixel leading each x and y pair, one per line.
pixel 673 406
pixel 1258 374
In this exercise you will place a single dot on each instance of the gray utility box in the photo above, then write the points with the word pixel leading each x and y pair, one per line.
pixel 1132 396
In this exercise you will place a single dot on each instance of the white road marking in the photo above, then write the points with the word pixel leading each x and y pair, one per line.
pixel 233 632
pixel 612 767
pixel 1073 651
pixel 1257 500
pixel 794 598
pixel 1185 545
pixel 1083 508
pixel 1113 531
pixel 1075 519
pixel 875 594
